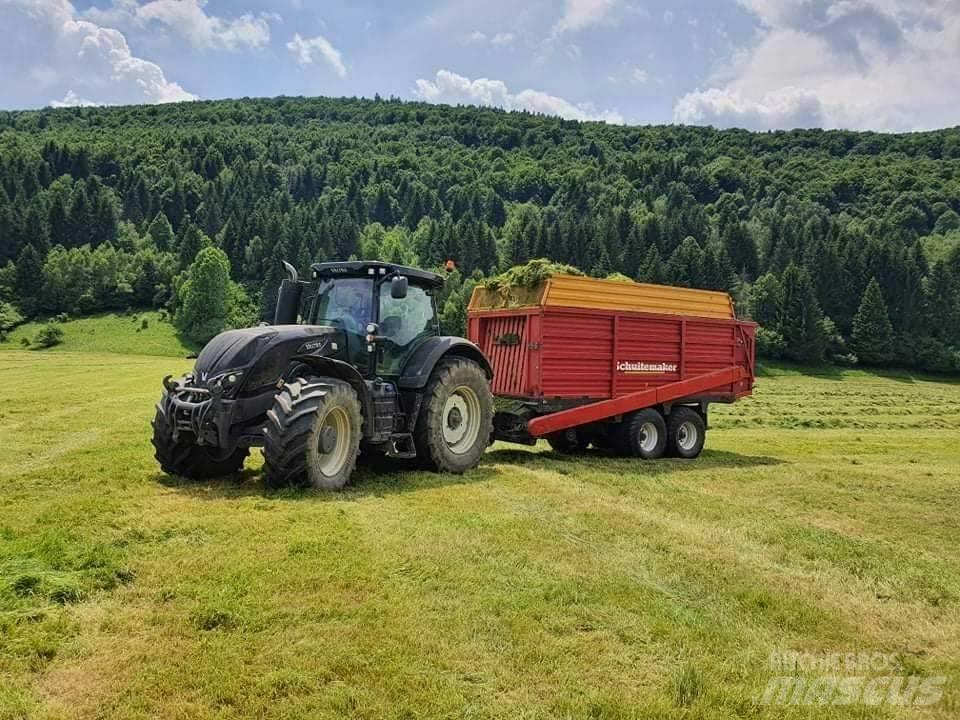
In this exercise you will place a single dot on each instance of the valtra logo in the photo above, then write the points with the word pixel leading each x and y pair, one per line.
pixel 645 368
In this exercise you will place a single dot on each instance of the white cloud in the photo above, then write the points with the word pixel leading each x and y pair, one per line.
pixel 580 14
pixel 786 108
pixel 500 38
pixel 453 89
pixel 640 76
pixel 865 64
pixel 304 49
pixel 71 99
pixel 189 19
pixel 50 53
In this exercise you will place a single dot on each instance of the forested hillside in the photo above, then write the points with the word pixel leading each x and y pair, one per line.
pixel 843 245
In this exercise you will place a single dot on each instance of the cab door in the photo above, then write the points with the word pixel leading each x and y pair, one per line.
pixel 404 324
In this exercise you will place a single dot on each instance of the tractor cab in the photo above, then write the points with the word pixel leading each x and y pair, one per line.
pixel 383 311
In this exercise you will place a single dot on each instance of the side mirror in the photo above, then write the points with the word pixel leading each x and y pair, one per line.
pixel 398 287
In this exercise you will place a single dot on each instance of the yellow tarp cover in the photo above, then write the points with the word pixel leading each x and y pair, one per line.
pixel 596 294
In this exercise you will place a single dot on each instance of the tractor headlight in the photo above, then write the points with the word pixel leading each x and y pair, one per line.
pixel 228 382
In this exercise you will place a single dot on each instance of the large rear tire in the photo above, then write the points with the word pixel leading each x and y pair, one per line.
pixel 183 456
pixel 456 417
pixel 643 434
pixel 312 434
pixel 686 433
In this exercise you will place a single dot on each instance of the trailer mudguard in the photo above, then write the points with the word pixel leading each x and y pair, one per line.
pixel 419 367
pixel 328 367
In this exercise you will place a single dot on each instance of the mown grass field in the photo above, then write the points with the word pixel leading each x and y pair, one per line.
pixel 823 517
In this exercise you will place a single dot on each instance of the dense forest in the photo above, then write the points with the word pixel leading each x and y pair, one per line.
pixel 845 246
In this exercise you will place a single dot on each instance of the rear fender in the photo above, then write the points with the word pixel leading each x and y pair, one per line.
pixel 420 366
pixel 328 367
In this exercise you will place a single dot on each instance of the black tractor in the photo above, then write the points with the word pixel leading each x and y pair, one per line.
pixel 354 363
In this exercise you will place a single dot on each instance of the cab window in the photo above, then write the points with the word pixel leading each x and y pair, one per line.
pixel 402 324
pixel 344 301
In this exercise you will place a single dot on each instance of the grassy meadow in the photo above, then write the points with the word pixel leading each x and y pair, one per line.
pixel 144 333
pixel 823 517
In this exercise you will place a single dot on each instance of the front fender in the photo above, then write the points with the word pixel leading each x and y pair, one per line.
pixel 419 367
pixel 328 367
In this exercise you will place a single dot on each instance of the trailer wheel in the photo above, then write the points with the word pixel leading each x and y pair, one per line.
pixel 643 434
pixel 567 442
pixel 456 416
pixel 312 434
pixel 184 457
pixel 686 433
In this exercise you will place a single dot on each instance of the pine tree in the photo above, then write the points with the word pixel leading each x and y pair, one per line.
pixel 29 278
pixel 35 229
pixel 872 338
pixel 742 250
pixel 652 269
pixel 942 292
pixel 80 219
pixel 801 316
pixel 766 301
pixel 103 228
pixel 58 221
pixel 193 242
pixel 601 268
pixel 161 232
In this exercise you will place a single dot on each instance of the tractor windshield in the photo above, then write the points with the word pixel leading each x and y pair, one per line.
pixel 345 302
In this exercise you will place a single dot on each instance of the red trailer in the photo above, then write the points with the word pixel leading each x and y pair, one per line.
pixel 616 364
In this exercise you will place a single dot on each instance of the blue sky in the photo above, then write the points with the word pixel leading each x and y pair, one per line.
pixel 761 64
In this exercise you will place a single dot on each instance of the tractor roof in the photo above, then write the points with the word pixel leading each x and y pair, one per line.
pixel 375 268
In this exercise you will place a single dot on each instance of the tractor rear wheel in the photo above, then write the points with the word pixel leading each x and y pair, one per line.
pixel 312 434
pixel 456 416
pixel 686 433
pixel 643 434
pixel 184 457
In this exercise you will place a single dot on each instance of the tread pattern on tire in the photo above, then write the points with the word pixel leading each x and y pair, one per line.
pixel 628 441
pixel 431 448
pixel 290 425
pixel 184 457
pixel 674 420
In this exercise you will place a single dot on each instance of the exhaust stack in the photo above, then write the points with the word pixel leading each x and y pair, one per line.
pixel 288 298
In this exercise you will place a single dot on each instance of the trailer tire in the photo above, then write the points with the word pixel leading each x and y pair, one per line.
pixel 456 417
pixel 183 456
pixel 643 434
pixel 562 443
pixel 686 433
pixel 312 434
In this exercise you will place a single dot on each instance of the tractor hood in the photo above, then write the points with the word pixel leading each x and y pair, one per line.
pixel 261 354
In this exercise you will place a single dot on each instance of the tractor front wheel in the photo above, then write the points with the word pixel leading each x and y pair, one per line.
pixel 312 434
pixel 184 457
pixel 456 416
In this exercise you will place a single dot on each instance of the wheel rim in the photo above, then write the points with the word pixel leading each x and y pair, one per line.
pixel 461 420
pixel 334 431
pixel 687 436
pixel 649 437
